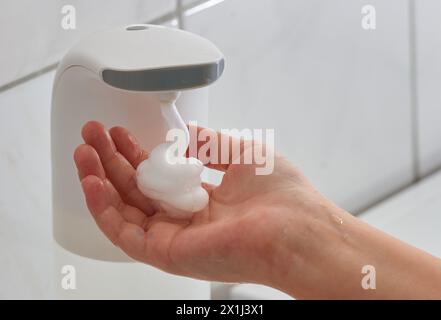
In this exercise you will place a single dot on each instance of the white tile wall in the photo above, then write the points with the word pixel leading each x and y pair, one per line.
pixel 428 51
pixel 337 95
pixel 32 37
pixel 25 218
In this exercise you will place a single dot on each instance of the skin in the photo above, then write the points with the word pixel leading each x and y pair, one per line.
pixel 274 229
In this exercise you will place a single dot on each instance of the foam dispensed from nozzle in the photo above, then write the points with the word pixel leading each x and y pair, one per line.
pixel 168 177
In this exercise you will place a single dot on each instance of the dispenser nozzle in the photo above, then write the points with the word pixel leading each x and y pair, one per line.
pixel 171 115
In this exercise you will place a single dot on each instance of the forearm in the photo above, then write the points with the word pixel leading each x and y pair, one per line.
pixel 337 246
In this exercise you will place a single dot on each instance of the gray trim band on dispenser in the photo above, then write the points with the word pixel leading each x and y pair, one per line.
pixel 164 79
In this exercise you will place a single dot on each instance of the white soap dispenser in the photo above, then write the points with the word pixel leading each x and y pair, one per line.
pixel 114 76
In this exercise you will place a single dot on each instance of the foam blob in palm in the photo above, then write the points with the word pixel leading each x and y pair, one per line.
pixel 176 185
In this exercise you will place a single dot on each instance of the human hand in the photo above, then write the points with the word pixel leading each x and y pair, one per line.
pixel 237 237
pixel 271 229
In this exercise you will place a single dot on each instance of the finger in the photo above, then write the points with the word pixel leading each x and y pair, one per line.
pixel 129 213
pixel 148 241
pixel 118 170
pixel 88 162
pixel 208 187
pixel 151 246
pixel 101 194
pixel 97 198
pixel 128 146
pixel 110 221
pixel 215 149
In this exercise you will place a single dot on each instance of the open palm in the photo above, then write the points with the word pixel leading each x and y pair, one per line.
pixel 233 239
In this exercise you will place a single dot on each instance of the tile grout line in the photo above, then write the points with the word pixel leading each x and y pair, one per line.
pixel 170 16
pixel 413 72
pixel 28 77
pixel 415 107
pixel 180 14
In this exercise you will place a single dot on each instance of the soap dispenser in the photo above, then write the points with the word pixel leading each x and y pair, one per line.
pixel 114 76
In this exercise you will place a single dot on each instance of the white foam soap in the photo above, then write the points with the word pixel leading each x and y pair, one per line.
pixel 167 176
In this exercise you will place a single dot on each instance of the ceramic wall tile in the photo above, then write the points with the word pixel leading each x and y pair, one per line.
pixel 25 217
pixel 428 53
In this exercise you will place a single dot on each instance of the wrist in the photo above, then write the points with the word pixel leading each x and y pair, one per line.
pixel 316 252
